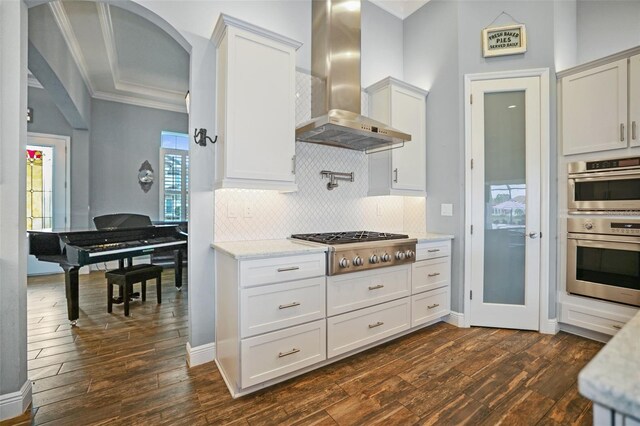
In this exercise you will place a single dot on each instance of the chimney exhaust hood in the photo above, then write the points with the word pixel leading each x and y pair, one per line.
pixel 335 89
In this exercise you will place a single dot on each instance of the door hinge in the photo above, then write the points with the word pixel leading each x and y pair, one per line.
pixel 470 294
pixel 471 229
pixel 472 164
pixel 65 185
pixel 471 99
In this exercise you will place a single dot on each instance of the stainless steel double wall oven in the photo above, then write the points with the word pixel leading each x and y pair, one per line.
pixel 603 253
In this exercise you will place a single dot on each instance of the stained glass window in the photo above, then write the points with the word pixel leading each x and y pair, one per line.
pixel 174 181
pixel 39 187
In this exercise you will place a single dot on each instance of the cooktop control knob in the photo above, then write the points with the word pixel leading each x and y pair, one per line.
pixel 344 262
pixel 385 257
pixel 409 254
pixel 400 255
pixel 357 261
pixel 588 225
pixel 374 259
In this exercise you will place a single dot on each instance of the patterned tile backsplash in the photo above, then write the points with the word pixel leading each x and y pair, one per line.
pixel 313 208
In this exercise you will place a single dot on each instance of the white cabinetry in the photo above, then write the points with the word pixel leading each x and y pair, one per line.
pixel 255 88
pixel 400 171
pixel 270 317
pixel 431 282
pixel 600 104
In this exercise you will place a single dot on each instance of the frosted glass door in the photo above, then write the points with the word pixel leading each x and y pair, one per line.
pixel 506 203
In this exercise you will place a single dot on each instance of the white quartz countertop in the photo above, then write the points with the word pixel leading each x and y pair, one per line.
pixel 612 378
pixel 266 248
pixel 426 237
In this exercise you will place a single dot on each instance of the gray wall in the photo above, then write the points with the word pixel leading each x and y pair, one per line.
pixel 442 44
pixel 382 37
pixel 606 27
pixel 122 138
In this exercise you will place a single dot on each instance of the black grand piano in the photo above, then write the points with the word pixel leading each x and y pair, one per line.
pixel 74 249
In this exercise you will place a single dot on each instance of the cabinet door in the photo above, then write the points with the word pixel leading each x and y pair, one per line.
pixel 634 101
pixel 594 109
pixel 409 162
pixel 260 109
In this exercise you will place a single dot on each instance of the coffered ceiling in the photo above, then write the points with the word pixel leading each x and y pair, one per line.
pixel 123 57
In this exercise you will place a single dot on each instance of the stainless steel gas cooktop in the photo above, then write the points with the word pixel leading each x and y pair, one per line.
pixel 361 250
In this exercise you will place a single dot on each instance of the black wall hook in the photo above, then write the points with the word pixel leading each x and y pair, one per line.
pixel 200 137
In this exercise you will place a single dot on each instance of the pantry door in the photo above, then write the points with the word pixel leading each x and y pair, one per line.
pixel 505 203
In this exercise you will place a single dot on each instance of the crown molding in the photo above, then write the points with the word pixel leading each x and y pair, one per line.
pixel 132 100
pixel 225 21
pixel 62 20
pixel 106 25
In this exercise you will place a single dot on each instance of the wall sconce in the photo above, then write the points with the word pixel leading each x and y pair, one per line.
pixel 187 101
pixel 29 115
pixel 200 137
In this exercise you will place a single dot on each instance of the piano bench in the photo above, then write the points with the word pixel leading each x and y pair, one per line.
pixel 125 278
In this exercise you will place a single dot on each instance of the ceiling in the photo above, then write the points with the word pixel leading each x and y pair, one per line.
pixel 400 8
pixel 123 57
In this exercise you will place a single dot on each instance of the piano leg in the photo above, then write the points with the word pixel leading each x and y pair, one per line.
pixel 177 260
pixel 72 292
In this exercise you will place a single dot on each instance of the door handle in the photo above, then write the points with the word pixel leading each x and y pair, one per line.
pixel 621 132
pixel 395 172
pixel 533 235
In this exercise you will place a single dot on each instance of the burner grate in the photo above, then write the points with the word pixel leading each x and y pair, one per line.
pixel 348 237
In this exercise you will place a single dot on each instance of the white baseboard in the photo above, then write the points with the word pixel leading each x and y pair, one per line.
pixel 15 403
pixel 549 326
pixel 455 318
pixel 200 354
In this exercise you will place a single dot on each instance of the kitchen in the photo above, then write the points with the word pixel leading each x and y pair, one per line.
pixel 424 65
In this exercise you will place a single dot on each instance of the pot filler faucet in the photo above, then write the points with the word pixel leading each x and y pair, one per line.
pixel 334 177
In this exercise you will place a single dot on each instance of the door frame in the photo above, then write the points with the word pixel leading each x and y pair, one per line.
pixel 546 325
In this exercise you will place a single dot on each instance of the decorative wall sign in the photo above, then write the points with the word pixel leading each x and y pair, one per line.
pixel 145 176
pixel 505 40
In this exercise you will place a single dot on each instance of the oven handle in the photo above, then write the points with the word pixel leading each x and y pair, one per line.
pixel 618 175
pixel 606 241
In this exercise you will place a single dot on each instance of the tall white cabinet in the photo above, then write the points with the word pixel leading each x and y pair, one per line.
pixel 255 107
pixel 600 105
pixel 400 171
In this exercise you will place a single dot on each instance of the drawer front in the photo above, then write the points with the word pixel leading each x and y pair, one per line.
pixel 272 355
pixel 278 269
pixel 359 290
pixel 356 329
pixel 592 319
pixel 430 274
pixel 272 307
pixel 430 305
pixel 433 250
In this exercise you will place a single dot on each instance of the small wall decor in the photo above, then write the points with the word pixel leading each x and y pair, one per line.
pixel 504 40
pixel 145 176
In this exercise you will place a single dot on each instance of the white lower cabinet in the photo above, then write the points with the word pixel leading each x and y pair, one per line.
pixel 353 330
pixel 431 282
pixel 271 355
pixel 592 319
pixel 430 305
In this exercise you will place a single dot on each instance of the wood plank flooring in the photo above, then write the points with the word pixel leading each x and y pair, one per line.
pixel 128 371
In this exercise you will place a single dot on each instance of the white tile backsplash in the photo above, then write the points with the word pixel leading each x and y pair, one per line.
pixel 313 208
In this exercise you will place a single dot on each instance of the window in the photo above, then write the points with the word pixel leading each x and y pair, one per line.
pixel 39 187
pixel 174 177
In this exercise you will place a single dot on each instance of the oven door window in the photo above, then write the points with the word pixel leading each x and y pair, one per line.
pixel 620 268
pixel 608 190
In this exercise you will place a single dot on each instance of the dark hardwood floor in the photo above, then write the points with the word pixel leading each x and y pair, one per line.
pixel 126 371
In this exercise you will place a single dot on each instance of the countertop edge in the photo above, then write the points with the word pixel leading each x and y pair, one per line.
pixel 291 250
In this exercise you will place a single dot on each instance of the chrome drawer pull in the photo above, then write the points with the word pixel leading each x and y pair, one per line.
pixel 435 305
pixel 435 274
pixel 290 268
pixel 290 305
pixel 617 327
pixel 433 250
pixel 291 352
pixel 378 324
pixel 375 287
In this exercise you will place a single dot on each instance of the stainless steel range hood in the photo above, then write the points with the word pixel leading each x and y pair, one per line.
pixel 335 90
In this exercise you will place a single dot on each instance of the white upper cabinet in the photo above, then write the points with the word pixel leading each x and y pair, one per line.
pixel 600 105
pixel 634 101
pixel 400 171
pixel 255 108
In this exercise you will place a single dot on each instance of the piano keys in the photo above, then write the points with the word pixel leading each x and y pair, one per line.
pixel 74 249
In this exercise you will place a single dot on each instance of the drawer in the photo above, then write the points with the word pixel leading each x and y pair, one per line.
pixel 280 352
pixel 430 274
pixel 356 329
pixel 272 307
pixel 359 290
pixel 433 250
pixel 278 269
pixel 592 319
pixel 430 305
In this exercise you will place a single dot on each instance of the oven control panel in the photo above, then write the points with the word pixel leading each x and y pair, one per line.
pixel 604 226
